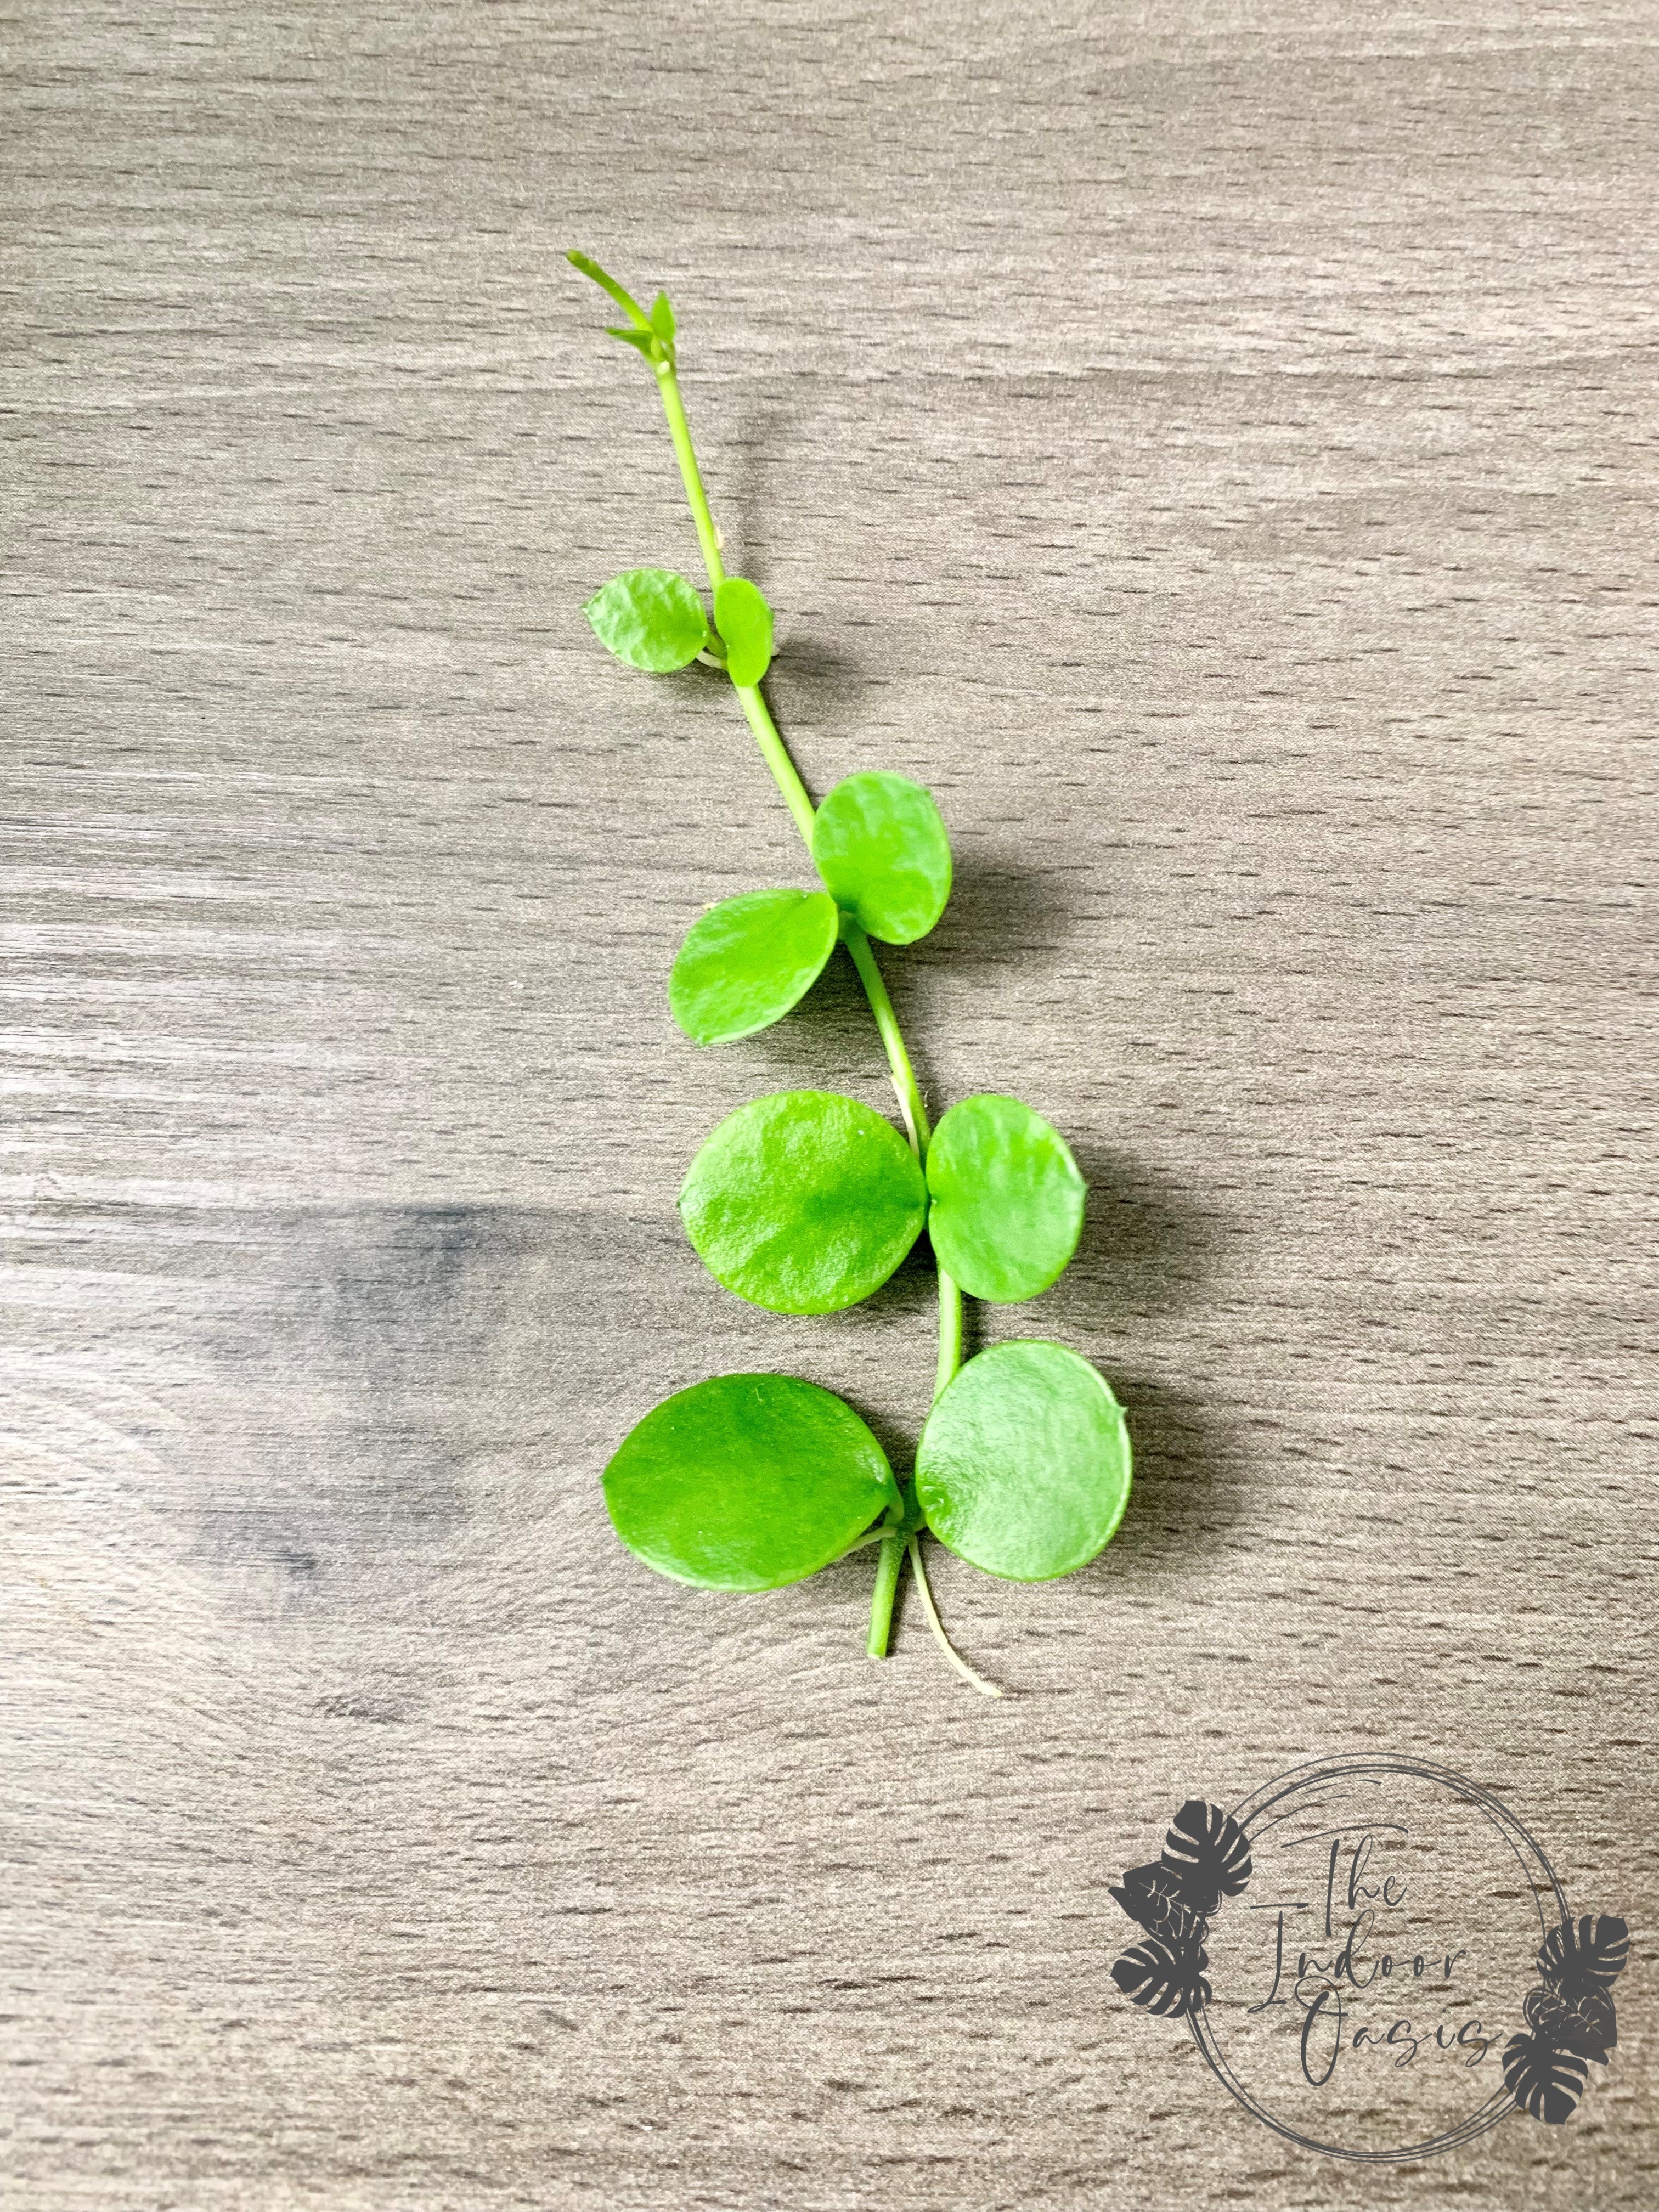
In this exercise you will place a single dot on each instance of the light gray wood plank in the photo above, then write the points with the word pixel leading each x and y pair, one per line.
pixel 1211 447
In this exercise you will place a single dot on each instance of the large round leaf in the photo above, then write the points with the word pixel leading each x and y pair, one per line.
pixel 803 1202
pixel 747 961
pixel 747 1482
pixel 881 846
pixel 1023 1466
pixel 1008 1198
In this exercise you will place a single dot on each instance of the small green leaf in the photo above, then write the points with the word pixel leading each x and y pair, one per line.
pixel 1024 1466
pixel 651 618
pixel 662 318
pixel 644 341
pixel 747 961
pixel 883 851
pixel 746 1482
pixel 1008 1198
pixel 803 1202
pixel 745 621
pixel 606 282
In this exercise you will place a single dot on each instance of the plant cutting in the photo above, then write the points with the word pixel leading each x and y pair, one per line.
pixel 806 1201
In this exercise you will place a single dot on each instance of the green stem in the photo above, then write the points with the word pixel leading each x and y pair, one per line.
pixel 892 1038
pixel 787 779
pixel 889 1560
pixel 680 431
pixel 784 771
pixel 950 1333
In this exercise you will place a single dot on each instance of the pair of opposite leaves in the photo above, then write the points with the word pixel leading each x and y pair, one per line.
pixel 805 1201
pixel 880 845
pixel 654 620
pixel 750 1482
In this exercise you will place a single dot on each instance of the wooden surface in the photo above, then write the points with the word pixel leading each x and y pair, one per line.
pixel 1211 446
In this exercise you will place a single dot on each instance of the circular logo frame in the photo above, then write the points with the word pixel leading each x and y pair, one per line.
pixel 1207 1860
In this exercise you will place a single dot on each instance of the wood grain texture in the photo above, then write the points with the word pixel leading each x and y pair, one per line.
pixel 1211 446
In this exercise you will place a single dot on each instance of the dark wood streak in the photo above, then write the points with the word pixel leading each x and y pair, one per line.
pixel 1212 448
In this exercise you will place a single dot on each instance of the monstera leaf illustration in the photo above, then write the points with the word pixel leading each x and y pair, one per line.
pixel 1163 1978
pixel 1584 1954
pixel 1585 2025
pixel 1152 1896
pixel 1209 1855
pixel 1546 2082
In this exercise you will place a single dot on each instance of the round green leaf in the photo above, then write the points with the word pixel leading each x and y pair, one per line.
pixel 747 1482
pixel 1023 1466
pixel 1008 1198
pixel 747 961
pixel 803 1202
pixel 651 618
pixel 745 622
pixel 881 846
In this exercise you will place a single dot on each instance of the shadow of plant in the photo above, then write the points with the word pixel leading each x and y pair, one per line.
pixel 1145 1248
pixel 1004 910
